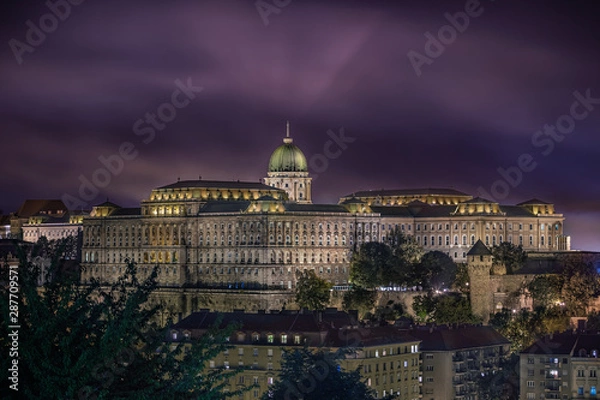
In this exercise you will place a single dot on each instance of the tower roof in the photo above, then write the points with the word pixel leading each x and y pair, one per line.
pixel 288 157
pixel 479 249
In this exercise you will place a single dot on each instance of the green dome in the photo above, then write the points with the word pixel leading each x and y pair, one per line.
pixel 288 158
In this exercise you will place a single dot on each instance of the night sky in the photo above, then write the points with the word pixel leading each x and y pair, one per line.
pixel 343 67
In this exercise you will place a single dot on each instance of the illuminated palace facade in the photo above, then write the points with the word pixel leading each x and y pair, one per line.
pixel 253 235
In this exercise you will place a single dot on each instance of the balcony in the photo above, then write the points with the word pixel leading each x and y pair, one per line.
pixel 553 389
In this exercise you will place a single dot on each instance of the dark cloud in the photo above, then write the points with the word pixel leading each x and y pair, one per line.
pixel 322 65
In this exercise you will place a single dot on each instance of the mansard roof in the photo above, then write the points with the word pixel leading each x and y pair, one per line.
pixel 392 211
pixel 462 337
pixel 218 185
pixel 566 343
pixel 329 208
pixel 407 192
pixel 533 201
pixel 353 200
pixel 478 200
pixel 31 207
pixel 220 206
pixel 251 322
pixel 108 204
pixel 127 211
pixel 516 211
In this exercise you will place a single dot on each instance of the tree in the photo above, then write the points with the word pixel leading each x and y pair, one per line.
pixel 500 384
pixel 581 283
pixel 444 309
pixel 373 265
pixel 593 321
pixel 382 314
pixel 437 270
pixel 453 309
pixel 312 292
pixel 424 307
pixel 359 298
pixel 317 375
pixel 546 290
pixel 461 280
pixel 511 256
pixel 405 247
pixel 524 327
pixel 94 342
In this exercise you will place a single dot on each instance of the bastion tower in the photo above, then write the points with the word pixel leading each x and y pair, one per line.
pixel 479 265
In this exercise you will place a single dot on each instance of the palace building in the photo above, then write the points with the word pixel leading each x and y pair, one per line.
pixel 222 234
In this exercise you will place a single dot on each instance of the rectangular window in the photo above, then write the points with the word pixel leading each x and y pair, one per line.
pixel 530 384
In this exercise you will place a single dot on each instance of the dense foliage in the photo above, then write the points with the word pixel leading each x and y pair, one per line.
pixel 509 255
pixel 443 309
pixel 312 292
pixel 317 375
pixel 94 342
pixel 399 261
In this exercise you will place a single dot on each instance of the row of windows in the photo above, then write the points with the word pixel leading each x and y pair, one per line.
pixel 488 226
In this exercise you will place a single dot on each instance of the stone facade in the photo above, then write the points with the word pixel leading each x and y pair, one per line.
pixel 245 235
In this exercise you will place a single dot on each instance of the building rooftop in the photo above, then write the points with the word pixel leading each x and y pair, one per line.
pixel 218 185
pixel 407 192
pixel 479 249
pixel 478 200
pixel 32 207
pixel 463 337
pixel 331 208
pixel 567 343
pixel 224 206
pixel 533 201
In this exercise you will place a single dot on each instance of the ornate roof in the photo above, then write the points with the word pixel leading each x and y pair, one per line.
pixel 288 157
pixel 217 185
pixel 479 249
pixel 407 192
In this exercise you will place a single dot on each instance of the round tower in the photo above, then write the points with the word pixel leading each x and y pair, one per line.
pixel 479 265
